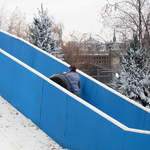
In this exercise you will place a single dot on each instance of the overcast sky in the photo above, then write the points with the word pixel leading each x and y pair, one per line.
pixel 76 15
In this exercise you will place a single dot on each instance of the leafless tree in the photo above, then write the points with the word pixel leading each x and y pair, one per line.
pixel 3 18
pixel 129 17
pixel 17 24
pixel 74 50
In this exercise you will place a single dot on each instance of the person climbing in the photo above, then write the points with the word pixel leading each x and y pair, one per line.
pixel 74 80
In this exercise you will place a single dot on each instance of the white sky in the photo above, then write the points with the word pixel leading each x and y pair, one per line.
pixel 76 15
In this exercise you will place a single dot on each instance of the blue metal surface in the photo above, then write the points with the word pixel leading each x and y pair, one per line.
pixel 69 122
pixel 102 98
pixel 21 88
pixel 115 106
pixel 30 55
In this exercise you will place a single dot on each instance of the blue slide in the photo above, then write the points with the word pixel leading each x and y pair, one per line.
pixel 101 119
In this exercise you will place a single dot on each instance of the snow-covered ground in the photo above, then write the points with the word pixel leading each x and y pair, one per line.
pixel 19 133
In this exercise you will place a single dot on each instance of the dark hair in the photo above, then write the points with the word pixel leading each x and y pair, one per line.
pixel 72 68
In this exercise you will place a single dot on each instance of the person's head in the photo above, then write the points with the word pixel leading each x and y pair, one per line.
pixel 72 68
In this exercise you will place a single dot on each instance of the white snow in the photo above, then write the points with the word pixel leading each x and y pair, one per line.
pixel 19 133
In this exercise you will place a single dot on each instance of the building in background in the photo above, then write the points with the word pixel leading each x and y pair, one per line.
pixel 99 60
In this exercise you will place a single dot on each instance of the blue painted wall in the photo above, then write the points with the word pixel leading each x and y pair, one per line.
pixel 30 55
pixel 93 93
pixel 67 121
pixel 21 88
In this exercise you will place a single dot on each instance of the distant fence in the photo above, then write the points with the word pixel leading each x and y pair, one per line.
pixel 94 92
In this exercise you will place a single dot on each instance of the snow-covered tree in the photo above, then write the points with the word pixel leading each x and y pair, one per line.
pixel 134 76
pixel 41 33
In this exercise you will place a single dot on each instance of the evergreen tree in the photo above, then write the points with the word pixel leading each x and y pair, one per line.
pixel 134 75
pixel 41 32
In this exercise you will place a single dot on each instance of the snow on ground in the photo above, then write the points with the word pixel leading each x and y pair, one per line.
pixel 19 133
